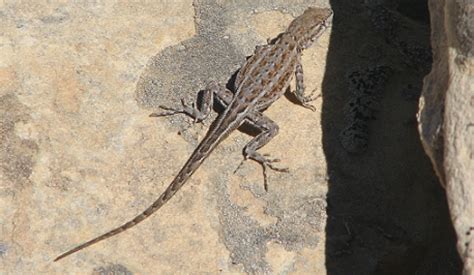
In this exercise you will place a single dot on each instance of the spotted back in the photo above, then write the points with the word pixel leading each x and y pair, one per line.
pixel 266 75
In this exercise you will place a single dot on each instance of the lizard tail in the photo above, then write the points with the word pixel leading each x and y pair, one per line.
pixel 193 163
pixel 149 211
pixel 205 147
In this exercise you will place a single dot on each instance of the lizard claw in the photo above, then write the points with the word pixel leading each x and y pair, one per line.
pixel 187 109
pixel 265 176
pixel 309 106
pixel 304 100
pixel 168 111
pixel 266 162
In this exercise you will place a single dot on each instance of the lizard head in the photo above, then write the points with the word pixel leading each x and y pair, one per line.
pixel 307 27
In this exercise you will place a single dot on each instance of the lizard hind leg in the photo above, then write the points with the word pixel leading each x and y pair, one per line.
pixel 269 129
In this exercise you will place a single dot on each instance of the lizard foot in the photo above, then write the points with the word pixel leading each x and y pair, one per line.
pixel 304 100
pixel 186 109
pixel 266 163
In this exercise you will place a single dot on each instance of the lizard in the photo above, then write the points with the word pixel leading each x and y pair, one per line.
pixel 264 78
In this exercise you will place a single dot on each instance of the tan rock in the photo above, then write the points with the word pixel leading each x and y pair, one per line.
pixel 446 115
pixel 79 154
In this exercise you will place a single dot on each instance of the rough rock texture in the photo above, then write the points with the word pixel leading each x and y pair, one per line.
pixel 446 116
pixel 79 154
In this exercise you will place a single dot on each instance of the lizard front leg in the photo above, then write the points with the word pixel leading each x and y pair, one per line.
pixel 299 93
pixel 201 109
pixel 269 129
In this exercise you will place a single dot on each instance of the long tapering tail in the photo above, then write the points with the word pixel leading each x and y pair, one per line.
pixel 150 210
pixel 193 163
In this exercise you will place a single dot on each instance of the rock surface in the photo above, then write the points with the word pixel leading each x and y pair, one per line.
pixel 446 116
pixel 79 154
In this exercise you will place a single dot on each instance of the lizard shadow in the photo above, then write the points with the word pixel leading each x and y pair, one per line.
pixel 387 213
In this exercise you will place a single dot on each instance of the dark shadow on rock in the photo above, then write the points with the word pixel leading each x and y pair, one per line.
pixel 387 213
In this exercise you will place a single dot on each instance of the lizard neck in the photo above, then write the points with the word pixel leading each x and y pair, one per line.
pixel 303 37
